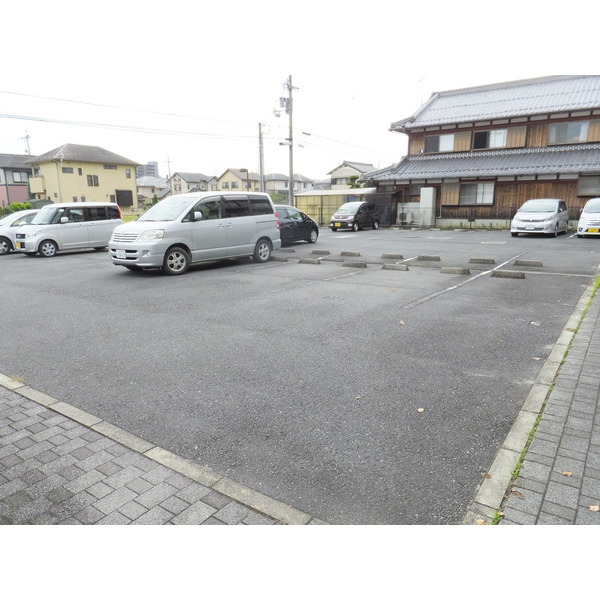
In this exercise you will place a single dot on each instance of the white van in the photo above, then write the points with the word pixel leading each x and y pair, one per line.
pixel 190 228
pixel 68 226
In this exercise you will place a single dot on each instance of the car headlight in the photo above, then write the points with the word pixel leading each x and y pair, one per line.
pixel 151 235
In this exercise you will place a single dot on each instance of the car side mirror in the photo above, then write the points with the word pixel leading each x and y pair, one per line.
pixel 198 216
pixel 64 219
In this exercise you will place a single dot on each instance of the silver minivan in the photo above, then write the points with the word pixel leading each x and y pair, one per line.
pixel 68 226
pixel 196 227
pixel 541 215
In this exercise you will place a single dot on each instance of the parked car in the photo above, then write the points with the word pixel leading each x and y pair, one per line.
pixel 191 228
pixel 8 228
pixel 295 226
pixel 355 216
pixel 541 215
pixel 68 226
pixel 589 219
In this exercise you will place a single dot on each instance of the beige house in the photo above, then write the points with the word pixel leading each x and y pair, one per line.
pixel 75 173
pixel 241 180
pixel 344 175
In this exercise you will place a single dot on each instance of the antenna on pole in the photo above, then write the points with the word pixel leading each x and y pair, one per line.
pixel 26 138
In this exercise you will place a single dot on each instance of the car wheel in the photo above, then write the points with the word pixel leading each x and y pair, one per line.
pixel 48 248
pixel 262 251
pixel 333 228
pixel 176 261
pixel 555 234
pixel 355 226
pixel 314 235
pixel 5 245
pixel 376 225
pixel 514 233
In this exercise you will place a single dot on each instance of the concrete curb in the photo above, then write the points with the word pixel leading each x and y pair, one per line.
pixel 492 489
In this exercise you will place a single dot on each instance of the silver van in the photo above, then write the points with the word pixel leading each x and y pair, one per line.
pixel 191 228
pixel 68 226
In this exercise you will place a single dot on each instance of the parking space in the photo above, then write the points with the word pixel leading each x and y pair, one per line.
pixel 354 392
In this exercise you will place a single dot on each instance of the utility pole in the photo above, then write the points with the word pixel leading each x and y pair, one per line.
pixel 26 138
pixel 291 141
pixel 261 159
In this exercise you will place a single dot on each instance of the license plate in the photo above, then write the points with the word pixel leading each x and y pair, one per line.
pixel 338 224
pixel 121 254
pixel 595 230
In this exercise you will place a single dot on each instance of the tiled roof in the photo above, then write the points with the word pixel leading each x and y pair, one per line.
pixel 15 161
pixel 79 153
pixel 503 100
pixel 195 177
pixel 554 160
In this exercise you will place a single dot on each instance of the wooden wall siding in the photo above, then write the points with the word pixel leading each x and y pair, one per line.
pixel 594 131
pixel 450 194
pixel 537 135
pixel 516 137
pixel 416 144
pixel 508 196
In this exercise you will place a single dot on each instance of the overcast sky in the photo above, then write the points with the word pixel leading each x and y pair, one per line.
pixel 187 84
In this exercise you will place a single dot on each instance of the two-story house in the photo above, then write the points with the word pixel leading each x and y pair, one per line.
pixel 478 153
pixel 239 180
pixel 346 174
pixel 76 173
pixel 277 183
pixel 14 175
pixel 150 189
pixel 183 183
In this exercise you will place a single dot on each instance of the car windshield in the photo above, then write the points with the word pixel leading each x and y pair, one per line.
pixel 538 206
pixel 46 215
pixel 592 206
pixel 347 209
pixel 168 209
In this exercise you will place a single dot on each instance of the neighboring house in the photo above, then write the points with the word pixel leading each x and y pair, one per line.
pixel 348 172
pixel 183 183
pixel 276 183
pixel 150 187
pixel 241 180
pixel 478 153
pixel 14 174
pixel 75 173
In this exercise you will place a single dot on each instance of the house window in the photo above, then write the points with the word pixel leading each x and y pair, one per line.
pixel 225 185
pixel 79 171
pixel 92 180
pixel 568 133
pixel 234 185
pixel 127 173
pixel 476 193
pixel 67 170
pixel 110 167
pixel 19 176
pixel 439 143
pixel 496 138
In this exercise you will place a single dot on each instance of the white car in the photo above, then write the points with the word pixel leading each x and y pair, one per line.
pixel 542 215
pixel 8 227
pixel 589 220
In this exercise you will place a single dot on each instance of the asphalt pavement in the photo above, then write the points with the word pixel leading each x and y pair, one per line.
pixel 61 465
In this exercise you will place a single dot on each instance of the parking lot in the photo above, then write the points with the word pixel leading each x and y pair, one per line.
pixel 367 378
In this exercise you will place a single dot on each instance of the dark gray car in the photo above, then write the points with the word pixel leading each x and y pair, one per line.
pixel 355 216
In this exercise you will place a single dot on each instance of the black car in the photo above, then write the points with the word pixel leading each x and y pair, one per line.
pixel 295 225
pixel 355 216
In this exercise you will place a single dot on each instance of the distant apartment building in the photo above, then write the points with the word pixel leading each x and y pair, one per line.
pixel 148 170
